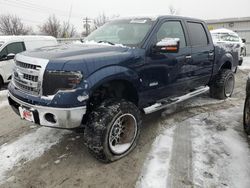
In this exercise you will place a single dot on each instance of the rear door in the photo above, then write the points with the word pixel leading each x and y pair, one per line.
pixel 202 55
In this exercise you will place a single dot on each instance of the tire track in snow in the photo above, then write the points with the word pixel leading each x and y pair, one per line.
pixel 27 148
pixel 3 98
pixel 155 170
pixel 180 172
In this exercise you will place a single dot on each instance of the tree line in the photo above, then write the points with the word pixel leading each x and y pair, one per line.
pixel 13 25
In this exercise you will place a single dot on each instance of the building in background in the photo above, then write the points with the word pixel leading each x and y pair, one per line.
pixel 238 25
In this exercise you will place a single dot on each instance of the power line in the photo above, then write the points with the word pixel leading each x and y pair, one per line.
pixel 34 9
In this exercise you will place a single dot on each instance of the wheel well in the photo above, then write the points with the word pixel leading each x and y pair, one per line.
pixel 227 65
pixel 1 79
pixel 114 89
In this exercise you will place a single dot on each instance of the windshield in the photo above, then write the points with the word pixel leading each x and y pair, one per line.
pixel 229 37
pixel 129 32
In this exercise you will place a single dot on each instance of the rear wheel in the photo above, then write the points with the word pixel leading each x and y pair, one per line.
pixel 246 116
pixel 112 130
pixel 222 85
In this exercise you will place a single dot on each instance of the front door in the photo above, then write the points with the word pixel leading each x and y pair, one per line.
pixel 162 75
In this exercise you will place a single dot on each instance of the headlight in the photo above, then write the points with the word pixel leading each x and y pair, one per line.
pixel 54 81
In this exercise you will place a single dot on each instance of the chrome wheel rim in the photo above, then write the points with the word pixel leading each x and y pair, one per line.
pixel 229 86
pixel 122 133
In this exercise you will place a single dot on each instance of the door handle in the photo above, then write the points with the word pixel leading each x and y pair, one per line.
pixel 188 57
pixel 211 53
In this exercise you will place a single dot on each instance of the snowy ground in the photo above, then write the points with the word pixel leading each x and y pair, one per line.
pixel 199 143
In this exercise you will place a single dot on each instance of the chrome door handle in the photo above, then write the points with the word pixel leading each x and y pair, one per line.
pixel 188 57
pixel 211 53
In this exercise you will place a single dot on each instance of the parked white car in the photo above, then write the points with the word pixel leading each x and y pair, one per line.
pixel 229 37
pixel 11 45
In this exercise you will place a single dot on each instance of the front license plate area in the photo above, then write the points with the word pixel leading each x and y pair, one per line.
pixel 26 114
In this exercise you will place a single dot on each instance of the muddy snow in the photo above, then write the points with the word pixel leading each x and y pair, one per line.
pixel 198 143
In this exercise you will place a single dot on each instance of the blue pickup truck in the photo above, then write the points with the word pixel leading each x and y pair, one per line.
pixel 125 68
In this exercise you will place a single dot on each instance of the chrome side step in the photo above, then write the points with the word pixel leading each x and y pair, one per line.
pixel 164 103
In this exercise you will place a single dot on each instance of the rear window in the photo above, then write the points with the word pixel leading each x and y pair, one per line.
pixel 197 34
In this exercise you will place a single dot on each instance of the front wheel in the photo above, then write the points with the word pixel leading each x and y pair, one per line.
pixel 246 116
pixel 112 130
pixel 222 85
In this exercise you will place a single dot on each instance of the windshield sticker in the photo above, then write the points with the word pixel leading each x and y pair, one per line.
pixel 138 21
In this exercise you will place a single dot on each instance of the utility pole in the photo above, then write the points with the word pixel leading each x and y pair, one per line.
pixel 86 22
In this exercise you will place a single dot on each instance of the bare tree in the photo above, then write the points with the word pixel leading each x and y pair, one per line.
pixel 173 10
pixel 12 25
pixel 101 20
pixel 67 30
pixel 54 28
pixel 51 27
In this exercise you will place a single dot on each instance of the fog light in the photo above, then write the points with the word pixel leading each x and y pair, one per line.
pixel 50 118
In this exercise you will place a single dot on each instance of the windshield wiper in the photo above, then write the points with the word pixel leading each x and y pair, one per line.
pixel 105 41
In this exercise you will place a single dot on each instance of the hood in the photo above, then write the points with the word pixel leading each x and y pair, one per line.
pixel 86 58
pixel 69 51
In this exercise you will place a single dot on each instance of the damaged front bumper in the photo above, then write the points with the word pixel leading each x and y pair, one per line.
pixel 66 118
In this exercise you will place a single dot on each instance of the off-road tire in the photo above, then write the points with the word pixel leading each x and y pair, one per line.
pixel 246 116
pixel 100 123
pixel 219 84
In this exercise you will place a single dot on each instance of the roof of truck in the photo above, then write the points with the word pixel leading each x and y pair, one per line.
pixel 155 17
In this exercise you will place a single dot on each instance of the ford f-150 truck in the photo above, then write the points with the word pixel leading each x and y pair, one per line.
pixel 125 68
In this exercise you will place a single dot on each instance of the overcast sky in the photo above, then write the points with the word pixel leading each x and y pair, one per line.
pixel 36 11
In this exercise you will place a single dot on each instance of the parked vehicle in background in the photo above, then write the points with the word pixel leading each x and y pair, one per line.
pixel 243 47
pixel 124 68
pixel 12 45
pixel 246 116
pixel 230 39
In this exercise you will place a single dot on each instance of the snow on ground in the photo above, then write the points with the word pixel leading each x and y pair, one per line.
pixel 155 170
pixel 3 103
pixel 27 148
pixel 3 93
pixel 245 64
pixel 220 154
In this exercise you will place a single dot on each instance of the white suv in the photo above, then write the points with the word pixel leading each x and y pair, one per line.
pixel 11 45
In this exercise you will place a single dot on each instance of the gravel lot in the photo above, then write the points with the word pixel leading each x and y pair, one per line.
pixel 199 143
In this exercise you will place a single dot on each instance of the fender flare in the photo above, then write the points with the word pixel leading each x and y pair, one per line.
pixel 112 73
pixel 226 58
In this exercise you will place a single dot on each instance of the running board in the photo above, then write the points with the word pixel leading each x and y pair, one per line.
pixel 164 103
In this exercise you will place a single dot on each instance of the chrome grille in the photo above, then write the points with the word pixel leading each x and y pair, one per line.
pixel 30 77
pixel 28 66
pixel 28 74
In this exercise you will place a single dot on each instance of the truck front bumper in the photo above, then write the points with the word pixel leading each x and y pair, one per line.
pixel 65 118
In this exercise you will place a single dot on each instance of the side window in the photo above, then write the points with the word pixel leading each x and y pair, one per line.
pixel 15 48
pixel 3 53
pixel 197 34
pixel 172 29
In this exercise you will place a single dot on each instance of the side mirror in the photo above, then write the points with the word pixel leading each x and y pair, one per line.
pixel 168 45
pixel 10 56
pixel 243 40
